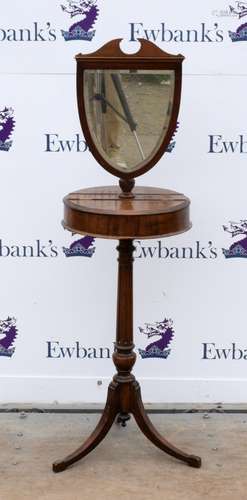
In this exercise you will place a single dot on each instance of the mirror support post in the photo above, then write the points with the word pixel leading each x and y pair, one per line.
pixel 126 186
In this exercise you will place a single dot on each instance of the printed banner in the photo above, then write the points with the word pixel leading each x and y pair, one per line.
pixel 58 290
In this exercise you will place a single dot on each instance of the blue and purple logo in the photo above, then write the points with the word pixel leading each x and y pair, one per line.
pixel 240 35
pixel 82 29
pixel 7 125
pixel 239 248
pixel 172 144
pixel 160 348
pixel 84 247
pixel 8 334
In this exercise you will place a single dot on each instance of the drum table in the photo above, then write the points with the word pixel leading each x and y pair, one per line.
pixel 106 212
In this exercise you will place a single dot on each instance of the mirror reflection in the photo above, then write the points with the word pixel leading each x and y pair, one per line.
pixel 128 113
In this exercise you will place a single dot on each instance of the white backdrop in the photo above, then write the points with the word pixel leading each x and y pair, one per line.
pixel 64 308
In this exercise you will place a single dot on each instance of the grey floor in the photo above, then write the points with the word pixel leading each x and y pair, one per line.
pixel 126 465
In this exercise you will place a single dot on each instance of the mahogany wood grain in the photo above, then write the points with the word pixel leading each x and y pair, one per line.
pixel 126 213
pixel 102 212
pixel 152 212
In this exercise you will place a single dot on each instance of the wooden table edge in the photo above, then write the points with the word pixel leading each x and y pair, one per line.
pixel 111 237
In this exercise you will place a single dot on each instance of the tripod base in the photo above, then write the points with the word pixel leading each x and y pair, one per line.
pixel 124 394
pixel 124 398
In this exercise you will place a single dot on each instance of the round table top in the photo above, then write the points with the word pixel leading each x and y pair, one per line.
pixel 100 212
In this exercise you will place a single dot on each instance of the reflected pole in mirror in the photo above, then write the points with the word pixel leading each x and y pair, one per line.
pixel 129 118
pixel 139 145
pixel 100 97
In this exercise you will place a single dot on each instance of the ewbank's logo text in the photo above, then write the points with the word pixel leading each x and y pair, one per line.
pixel 83 247
pixel 218 144
pixel 32 33
pixel 86 11
pixel 160 251
pixel 55 350
pixel 210 351
pixel 36 249
pixel 165 33
pixel 54 143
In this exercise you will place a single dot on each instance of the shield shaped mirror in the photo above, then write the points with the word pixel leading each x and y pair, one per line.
pixel 128 105
pixel 128 113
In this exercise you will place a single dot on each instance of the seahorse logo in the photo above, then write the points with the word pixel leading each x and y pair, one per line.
pixel 240 9
pixel 82 29
pixel 84 247
pixel 239 248
pixel 160 348
pixel 7 125
pixel 8 333
pixel 240 35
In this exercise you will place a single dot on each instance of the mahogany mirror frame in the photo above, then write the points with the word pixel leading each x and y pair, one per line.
pixel 110 56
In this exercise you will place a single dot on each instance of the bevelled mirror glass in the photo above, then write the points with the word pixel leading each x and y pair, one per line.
pixel 128 106
pixel 128 113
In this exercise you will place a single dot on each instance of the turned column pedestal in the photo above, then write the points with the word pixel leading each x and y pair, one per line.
pixel 101 213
